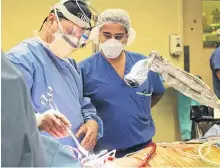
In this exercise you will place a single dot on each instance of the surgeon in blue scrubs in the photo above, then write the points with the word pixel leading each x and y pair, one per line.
pixel 125 111
pixel 44 62
pixel 215 67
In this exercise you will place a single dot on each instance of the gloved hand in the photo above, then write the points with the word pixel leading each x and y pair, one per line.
pixel 53 123
pixel 90 130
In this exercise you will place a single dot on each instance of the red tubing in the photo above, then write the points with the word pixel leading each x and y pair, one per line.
pixel 149 156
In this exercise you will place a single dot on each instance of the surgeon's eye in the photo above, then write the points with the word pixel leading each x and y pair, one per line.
pixel 70 31
pixel 107 35
pixel 119 37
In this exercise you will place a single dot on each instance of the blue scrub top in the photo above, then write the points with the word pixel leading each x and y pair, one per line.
pixel 125 111
pixel 215 65
pixel 42 69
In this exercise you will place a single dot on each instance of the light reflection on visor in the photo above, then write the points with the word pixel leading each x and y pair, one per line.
pixel 69 41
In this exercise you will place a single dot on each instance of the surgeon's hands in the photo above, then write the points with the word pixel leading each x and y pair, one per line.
pixel 90 130
pixel 53 123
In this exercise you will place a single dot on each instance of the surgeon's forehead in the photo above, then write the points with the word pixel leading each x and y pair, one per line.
pixel 113 28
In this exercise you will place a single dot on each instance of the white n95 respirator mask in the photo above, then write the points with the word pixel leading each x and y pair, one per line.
pixel 112 48
pixel 63 45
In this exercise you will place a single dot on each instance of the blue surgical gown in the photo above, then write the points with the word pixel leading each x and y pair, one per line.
pixel 42 69
pixel 125 111
pixel 215 65
pixel 21 144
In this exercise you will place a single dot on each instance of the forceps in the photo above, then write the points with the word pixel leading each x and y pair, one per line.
pixel 49 101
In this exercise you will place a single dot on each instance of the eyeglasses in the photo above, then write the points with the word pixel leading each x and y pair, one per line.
pixel 119 36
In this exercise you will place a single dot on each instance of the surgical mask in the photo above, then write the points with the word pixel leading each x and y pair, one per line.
pixel 112 48
pixel 63 45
